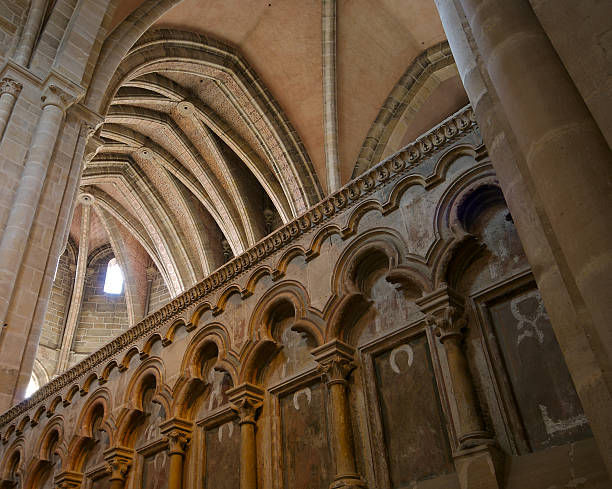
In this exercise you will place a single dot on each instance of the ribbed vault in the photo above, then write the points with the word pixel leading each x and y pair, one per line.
pixel 197 161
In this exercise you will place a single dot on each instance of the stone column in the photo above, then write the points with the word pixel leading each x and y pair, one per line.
pixel 30 32
pixel 561 205
pixel 330 112
pixel 246 400
pixel 119 460
pixel 76 299
pixel 55 101
pixel 9 91
pixel 477 458
pixel 336 364
pixel 178 433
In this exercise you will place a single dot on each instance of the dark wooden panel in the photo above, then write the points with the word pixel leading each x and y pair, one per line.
pixel 306 457
pixel 412 419
pixel 223 457
pixel 544 392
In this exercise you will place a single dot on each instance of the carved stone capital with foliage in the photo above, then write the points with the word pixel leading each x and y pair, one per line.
pixel 119 461
pixel 335 361
pixel 449 322
pixel 246 399
pixel 8 85
pixel 177 441
pixel 444 311
pixel 54 95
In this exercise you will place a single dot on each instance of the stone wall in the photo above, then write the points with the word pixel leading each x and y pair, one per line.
pixel 58 302
pixel 103 316
pixel 159 293
pixel 382 339
pixel 12 16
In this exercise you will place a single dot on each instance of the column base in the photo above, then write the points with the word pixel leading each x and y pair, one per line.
pixel 480 467
pixel 351 481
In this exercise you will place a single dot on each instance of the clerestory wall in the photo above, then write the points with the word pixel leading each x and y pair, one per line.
pixel 392 336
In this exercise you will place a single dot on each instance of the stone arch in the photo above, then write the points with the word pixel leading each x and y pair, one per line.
pixel 436 59
pixel 50 443
pixel 98 405
pixel 376 250
pixel 13 462
pixel 287 299
pixel 207 351
pixel 458 246
pixel 149 374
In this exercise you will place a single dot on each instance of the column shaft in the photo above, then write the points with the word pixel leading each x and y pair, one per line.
pixel 27 196
pixel 470 421
pixel 30 32
pixel 175 478
pixel 9 90
pixel 330 114
pixel 78 288
pixel 248 456
pixel 538 147
pixel 555 139
pixel 336 363
pixel 342 430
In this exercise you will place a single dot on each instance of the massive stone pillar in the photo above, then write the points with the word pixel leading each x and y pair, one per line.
pixel 76 299
pixel 336 363
pixel 555 169
pixel 246 400
pixel 16 239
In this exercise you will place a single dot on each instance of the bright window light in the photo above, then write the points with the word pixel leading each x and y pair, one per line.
pixel 114 278
pixel 32 387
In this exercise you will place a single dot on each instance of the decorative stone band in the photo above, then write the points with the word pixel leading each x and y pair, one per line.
pixel 387 171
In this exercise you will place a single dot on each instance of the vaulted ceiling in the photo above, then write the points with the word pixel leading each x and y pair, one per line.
pixel 214 134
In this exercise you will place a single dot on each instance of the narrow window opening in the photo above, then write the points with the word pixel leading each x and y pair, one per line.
pixel 114 278
pixel 32 387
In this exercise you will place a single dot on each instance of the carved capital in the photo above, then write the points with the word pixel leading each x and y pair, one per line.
pixel 444 310
pixel 119 461
pixel 54 95
pixel 335 361
pixel 449 322
pixel 8 85
pixel 68 480
pixel 151 273
pixel 337 370
pixel 177 441
pixel 246 399
pixel 177 432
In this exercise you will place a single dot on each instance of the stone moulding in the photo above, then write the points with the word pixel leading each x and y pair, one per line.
pixel 388 170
